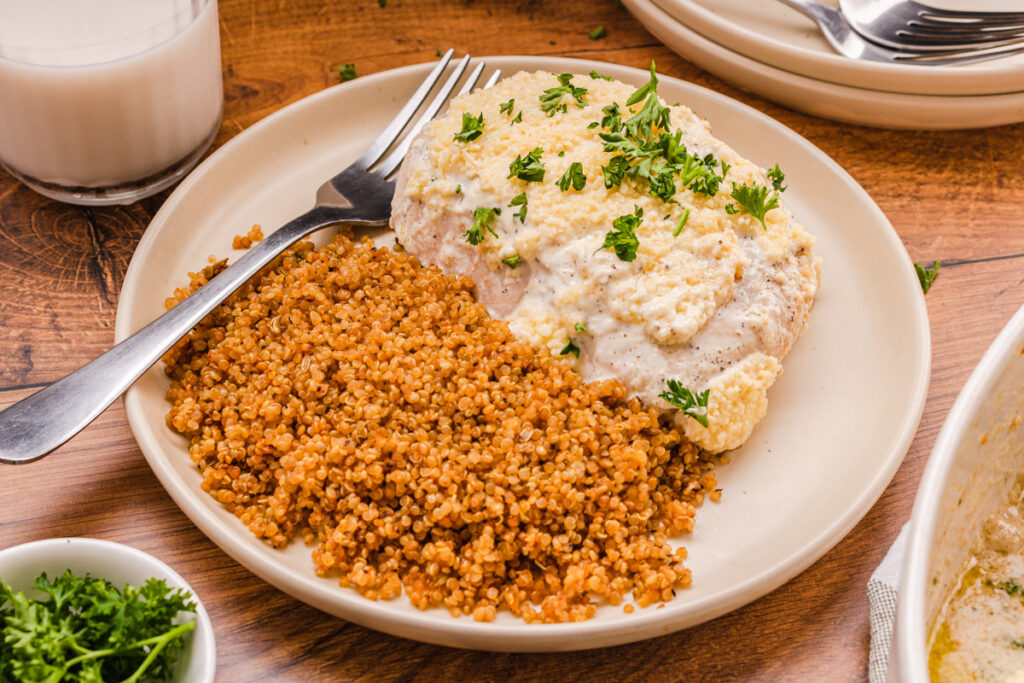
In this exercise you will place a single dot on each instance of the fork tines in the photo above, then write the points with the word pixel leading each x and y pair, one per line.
pixel 393 131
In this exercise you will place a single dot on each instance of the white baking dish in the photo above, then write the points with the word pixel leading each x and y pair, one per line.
pixel 976 460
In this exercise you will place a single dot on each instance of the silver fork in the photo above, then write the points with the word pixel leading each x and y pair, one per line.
pixel 908 24
pixel 848 42
pixel 361 195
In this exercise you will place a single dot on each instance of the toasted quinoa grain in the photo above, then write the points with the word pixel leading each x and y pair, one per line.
pixel 245 241
pixel 370 405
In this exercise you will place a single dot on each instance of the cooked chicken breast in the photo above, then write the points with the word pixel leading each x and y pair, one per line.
pixel 713 298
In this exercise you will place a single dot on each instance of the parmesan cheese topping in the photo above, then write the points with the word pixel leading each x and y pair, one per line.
pixel 715 307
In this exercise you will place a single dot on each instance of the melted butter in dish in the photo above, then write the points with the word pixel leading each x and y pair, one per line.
pixel 714 297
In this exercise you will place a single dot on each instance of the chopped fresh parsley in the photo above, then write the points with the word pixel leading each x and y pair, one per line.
pixel 598 33
pixel 682 223
pixel 507 107
pixel 512 261
pixel 573 176
pixel 551 99
pixel 458 189
pixel 651 87
pixel 520 201
pixel 698 176
pixel 650 115
pixel 595 75
pixel 777 177
pixel 732 209
pixel 528 168
pixel 618 168
pixel 755 200
pixel 927 275
pixel 85 629
pixel 725 168
pixel 694 405
pixel 570 347
pixel 472 127
pixel 643 148
pixel 622 238
pixel 612 118
pixel 347 72
pixel 482 219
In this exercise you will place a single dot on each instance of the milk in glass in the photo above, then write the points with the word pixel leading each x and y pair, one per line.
pixel 104 101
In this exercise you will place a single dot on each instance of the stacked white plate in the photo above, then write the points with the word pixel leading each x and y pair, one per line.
pixel 773 51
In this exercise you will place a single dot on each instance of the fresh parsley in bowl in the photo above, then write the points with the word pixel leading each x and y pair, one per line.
pixel 81 609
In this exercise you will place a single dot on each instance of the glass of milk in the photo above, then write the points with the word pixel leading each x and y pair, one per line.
pixel 107 101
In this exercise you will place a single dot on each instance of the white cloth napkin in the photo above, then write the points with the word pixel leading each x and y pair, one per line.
pixel 883 589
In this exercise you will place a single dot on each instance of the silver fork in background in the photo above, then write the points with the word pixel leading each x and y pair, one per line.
pixel 905 24
pixel 849 43
pixel 361 195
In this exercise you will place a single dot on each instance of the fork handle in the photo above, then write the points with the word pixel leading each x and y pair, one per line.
pixel 36 425
pixel 801 6
pixel 838 30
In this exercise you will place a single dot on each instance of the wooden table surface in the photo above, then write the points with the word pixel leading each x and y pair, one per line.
pixel 954 196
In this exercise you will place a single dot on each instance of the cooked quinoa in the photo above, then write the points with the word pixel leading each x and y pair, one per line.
pixel 369 404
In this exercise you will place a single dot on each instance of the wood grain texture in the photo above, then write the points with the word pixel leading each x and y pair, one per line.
pixel 954 196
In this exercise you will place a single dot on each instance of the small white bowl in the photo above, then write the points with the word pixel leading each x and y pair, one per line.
pixel 976 460
pixel 119 564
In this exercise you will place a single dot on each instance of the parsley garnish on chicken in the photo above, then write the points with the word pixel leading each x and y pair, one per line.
pixel 622 238
pixel 472 127
pixel 570 345
pixel 755 200
pixel 573 176
pixel 777 177
pixel 694 405
pixel 643 147
pixel 482 219
pixel 520 201
pixel 551 99
pixel 528 168
pixel 682 223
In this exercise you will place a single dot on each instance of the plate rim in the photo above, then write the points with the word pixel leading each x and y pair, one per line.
pixel 519 636
pixel 986 78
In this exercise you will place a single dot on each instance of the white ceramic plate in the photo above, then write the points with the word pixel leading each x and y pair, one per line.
pixel 772 33
pixel 840 420
pixel 119 564
pixel 825 99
